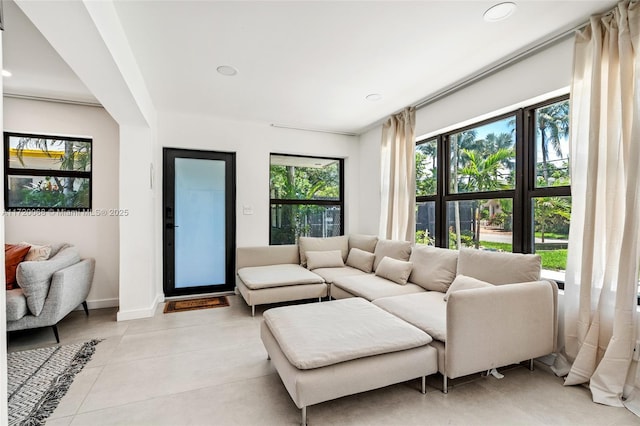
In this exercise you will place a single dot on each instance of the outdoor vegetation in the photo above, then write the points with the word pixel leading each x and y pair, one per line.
pixel 49 173
pixel 305 200
pixel 482 160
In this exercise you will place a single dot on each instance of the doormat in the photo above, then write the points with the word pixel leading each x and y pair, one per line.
pixel 194 304
pixel 37 379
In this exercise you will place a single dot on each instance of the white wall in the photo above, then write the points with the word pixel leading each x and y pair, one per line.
pixel 252 144
pixel 95 237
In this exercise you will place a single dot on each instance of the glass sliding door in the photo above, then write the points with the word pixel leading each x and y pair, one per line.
pixel 199 222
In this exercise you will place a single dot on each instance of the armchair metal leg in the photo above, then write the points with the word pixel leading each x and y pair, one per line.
pixel 86 308
pixel 55 332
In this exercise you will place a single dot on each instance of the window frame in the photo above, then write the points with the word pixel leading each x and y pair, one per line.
pixel 524 191
pixel 305 202
pixel 10 171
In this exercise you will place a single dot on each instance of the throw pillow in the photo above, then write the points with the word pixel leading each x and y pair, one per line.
pixel 361 259
pixel 434 268
pixel 13 255
pixel 37 252
pixel 322 244
pixel 324 259
pixel 400 250
pixel 395 270
pixel 462 282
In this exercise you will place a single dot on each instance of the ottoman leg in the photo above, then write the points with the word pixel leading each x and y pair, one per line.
pixel 253 310
pixel 304 416
pixel 424 385
pixel 444 384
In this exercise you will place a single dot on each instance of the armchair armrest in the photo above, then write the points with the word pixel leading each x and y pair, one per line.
pixel 496 326
pixel 69 288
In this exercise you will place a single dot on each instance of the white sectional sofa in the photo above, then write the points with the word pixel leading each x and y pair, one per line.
pixel 483 309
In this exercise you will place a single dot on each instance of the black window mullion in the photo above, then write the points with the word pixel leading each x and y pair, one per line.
pixel 442 179
pixel 519 200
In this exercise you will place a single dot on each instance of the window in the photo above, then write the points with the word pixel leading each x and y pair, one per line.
pixel 47 172
pixel 307 197
pixel 502 184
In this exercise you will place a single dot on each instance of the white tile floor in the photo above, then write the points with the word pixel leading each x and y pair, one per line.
pixel 209 367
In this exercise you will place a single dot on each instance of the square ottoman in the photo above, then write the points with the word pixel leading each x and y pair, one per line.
pixel 333 349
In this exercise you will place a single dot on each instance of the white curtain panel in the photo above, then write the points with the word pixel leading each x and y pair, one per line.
pixel 398 177
pixel 602 266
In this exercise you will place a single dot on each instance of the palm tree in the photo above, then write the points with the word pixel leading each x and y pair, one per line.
pixel 458 141
pixel 550 211
pixel 483 175
pixel 553 126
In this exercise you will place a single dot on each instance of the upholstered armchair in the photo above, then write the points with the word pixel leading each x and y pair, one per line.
pixel 49 290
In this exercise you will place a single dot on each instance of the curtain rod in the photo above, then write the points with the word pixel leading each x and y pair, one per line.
pixel 59 101
pixel 498 66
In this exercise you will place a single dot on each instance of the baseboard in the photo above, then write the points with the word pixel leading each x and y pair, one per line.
pixel 100 304
pixel 141 313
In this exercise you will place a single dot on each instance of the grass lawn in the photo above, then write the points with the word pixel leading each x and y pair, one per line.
pixel 552 236
pixel 555 260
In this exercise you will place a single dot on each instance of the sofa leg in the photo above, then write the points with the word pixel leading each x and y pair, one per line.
pixel 304 416
pixel 86 308
pixel 253 310
pixel 55 332
pixel 423 388
pixel 531 364
pixel 444 384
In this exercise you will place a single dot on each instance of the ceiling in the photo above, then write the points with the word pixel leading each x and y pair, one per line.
pixel 300 63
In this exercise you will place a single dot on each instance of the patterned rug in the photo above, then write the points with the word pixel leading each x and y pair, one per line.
pixel 37 379
pixel 193 304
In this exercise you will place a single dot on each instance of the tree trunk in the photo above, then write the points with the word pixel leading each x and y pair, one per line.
pixel 545 156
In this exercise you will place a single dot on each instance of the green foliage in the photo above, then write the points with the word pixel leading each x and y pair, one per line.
pixel 496 246
pixel 50 193
pixel 555 260
pixel 551 214
pixel 423 237
pixel 552 128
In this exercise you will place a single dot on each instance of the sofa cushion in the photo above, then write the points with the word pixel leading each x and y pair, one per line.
pixel 433 268
pixel 14 254
pixel 361 259
pixel 462 282
pixel 499 267
pixel 395 270
pixel 372 287
pixel 363 242
pixel 257 277
pixel 331 274
pixel 16 305
pixel 427 311
pixel 37 252
pixel 400 250
pixel 324 259
pixel 306 244
pixel 34 278
pixel 315 335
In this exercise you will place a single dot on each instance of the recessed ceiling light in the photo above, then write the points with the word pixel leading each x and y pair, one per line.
pixel 373 97
pixel 499 11
pixel 6 73
pixel 227 70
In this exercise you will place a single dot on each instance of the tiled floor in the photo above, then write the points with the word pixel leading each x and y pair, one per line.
pixel 209 367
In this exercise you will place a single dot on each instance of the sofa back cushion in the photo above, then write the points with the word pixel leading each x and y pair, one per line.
pixel 324 259
pixel 37 252
pixel 433 268
pixel 363 242
pixel 267 255
pixel 323 244
pixel 34 278
pixel 13 255
pixel 400 250
pixel 499 267
pixel 361 259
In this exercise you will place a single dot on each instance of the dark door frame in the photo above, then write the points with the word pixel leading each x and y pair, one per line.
pixel 168 216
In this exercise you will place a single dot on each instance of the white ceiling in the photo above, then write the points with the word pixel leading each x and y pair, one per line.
pixel 300 63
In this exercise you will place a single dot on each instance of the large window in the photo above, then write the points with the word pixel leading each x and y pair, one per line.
pixel 307 197
pixel 502 184
pixel 47 172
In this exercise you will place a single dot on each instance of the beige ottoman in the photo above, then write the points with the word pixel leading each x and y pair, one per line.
pixel 328 350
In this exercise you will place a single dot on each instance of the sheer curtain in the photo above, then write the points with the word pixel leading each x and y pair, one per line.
pixel 602 267
pixel 397 200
